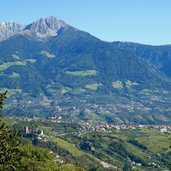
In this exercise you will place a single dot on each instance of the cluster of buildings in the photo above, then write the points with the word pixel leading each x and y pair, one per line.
pixel 90 125
pixel 55 118
pixel 144 104
pixel 105 165
pixel 38 135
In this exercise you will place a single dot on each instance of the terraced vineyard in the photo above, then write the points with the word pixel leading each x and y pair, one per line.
pixel 138 149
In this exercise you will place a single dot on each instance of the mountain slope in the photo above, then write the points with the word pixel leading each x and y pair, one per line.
pixel 58 59
pixel 73 68
pixel 111 63
pixel 160 56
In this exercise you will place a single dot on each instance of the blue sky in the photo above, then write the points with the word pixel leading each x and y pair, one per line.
pixel 143 21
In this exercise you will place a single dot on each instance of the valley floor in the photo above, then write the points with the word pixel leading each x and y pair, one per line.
pixel 99 146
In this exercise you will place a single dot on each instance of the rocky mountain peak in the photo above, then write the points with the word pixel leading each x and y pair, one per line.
pixel 42 28
pixel 48 27
pixel 9 29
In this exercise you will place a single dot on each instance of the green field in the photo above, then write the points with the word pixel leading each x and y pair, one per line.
pixel 6 65
pixel 93 86
pixel 130 83
pixel 136 151
pixel 31 60
pixel 47 54
pixel 15 56
pixel 117 84
pixel 14 75
pixel 67 146
pixel 82 73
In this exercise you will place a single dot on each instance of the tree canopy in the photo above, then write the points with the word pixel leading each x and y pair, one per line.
pixel 9 143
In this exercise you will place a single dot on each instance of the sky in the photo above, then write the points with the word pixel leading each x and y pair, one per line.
pixel 142 21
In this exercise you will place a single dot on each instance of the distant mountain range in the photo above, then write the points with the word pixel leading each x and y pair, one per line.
pixel 9 29
pixel 42 28
pixel 48 58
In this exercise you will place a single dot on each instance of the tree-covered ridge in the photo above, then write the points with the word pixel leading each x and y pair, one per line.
pixel 159 56
pixel 77 67
pixel 67 60
pixel 69 50
pixel 77 70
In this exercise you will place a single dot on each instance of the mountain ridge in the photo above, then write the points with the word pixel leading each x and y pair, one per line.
pixel 73 67
pixel 160 56
pixel 42 28
pixel 9 29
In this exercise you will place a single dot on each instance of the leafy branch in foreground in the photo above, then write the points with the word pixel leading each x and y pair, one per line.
pixel 2 98
pixel 9 144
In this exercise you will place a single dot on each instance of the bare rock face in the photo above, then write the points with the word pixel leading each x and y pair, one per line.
pixel 48 27
pixel 42 28
pixel 9 29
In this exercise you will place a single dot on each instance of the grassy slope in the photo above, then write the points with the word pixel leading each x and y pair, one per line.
pixel 67 146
